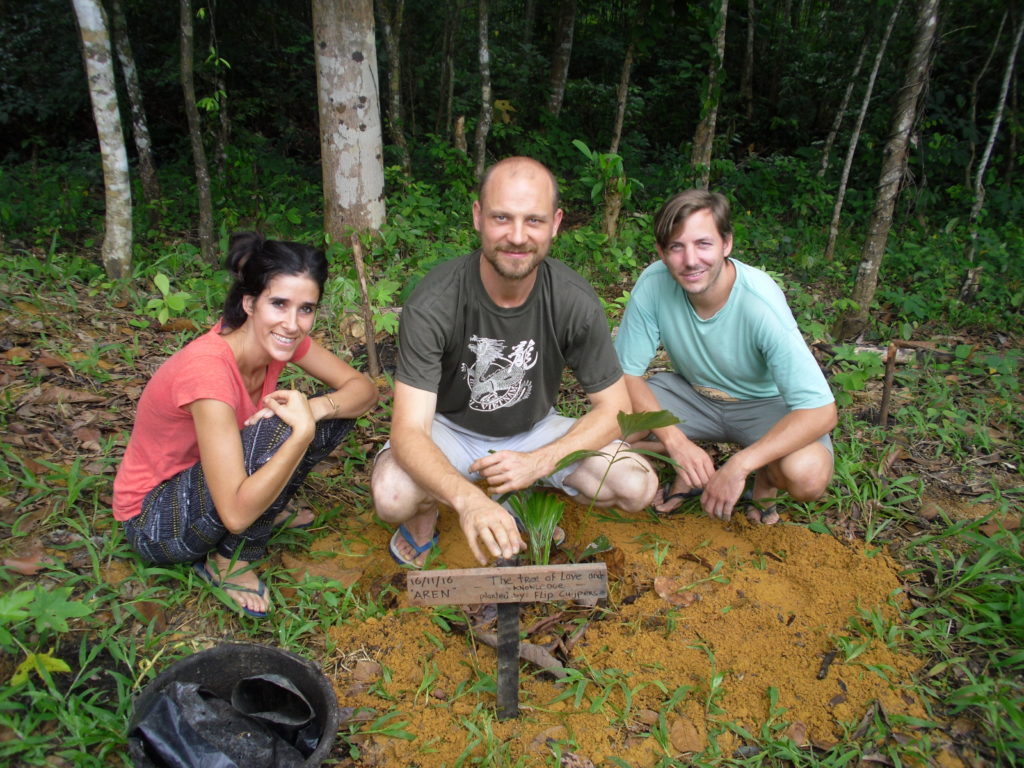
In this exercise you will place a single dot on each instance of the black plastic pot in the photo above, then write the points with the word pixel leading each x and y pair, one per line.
pixel 218 669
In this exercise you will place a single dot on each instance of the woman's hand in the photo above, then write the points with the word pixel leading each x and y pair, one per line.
pixel 292 407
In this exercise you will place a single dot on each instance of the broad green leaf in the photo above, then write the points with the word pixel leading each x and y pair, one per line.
pixel 162 282
pixel 51 609
pixel 37 662
pixel 644 421
pixel 596 547
pixel 819 527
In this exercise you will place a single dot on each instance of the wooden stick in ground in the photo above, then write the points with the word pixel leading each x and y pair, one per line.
pixel 372 363
pixel 890 370
pixel 508 655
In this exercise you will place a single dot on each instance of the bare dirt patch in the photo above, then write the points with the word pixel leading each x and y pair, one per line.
pixel 736 615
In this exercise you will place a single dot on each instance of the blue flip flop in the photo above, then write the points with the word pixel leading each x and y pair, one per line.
pixel 201 568
pixel 419 549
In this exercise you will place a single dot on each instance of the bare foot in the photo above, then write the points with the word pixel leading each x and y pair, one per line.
pixel 242 584
pixel 294 518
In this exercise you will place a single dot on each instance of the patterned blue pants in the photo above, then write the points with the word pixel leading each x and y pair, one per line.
pixel 178 522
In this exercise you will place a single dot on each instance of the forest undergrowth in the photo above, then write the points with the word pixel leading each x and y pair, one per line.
pixel 936 487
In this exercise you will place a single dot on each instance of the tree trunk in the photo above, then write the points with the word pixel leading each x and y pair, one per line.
pixel 704 137
pixel 843 105
pixel 747 81
pixel 855 319
pixel 393 16
pixel 971 286
pixel 623 92
pixel 351 151
pixel 483 124
pixel 443 123
pixel 837 209
pixel 973 110
pixel 220 95
pixel 99 68
pixel 140 128
pixel 563 54
pixel 529 19
pixel 195 134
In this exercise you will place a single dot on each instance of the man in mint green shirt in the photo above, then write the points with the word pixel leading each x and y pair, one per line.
pixel 742 371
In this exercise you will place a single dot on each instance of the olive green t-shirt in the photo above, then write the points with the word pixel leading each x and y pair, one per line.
pixel 497 370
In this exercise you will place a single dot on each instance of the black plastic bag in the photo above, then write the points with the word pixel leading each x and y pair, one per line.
pixel 187 727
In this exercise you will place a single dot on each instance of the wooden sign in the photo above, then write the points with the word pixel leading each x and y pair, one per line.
pixel 523 584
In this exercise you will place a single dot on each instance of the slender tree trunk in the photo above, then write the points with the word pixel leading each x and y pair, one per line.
pixel 704 137
pixel 855 319
pixel 529 19
pixel 222 137
pixel 195 134
pixel 747 81
pixel 393 17
pixel 140 128
pixel 973 111
pixel 837 209
pixel 563 54
pixel 443 122
pixel 970 285
pixel 622 92
pixel 483 123
pixel 843 105
pixel 351 145
pixel 99 68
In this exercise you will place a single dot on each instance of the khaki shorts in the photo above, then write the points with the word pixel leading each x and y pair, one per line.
pixel 719 421
pixel 462 447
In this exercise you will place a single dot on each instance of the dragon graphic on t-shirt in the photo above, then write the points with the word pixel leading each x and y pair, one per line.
pixel 496 380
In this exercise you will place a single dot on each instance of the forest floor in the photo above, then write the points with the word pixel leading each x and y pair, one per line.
pixel 714 637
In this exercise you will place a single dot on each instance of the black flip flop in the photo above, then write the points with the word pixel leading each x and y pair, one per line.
pixel 693 493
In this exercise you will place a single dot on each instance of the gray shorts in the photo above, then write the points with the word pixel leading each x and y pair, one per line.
pixel 462 447
pixel 700 418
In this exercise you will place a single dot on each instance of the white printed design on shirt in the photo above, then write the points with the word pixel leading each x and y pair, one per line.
pixel 496 380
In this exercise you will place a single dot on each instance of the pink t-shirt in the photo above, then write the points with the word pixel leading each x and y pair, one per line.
pixel 163 441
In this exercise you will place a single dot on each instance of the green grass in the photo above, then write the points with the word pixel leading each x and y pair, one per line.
pixel 957 419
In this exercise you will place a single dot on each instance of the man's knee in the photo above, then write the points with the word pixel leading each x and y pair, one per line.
pixel 629 480
pixel 395 495
pixel 808 472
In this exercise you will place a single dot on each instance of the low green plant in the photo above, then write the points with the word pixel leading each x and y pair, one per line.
pixel 168 302
pixel 540 512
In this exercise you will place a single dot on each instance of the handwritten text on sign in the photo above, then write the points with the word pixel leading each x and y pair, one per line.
pixel 525 584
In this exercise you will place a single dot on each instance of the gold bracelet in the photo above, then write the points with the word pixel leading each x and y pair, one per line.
pixel 329 400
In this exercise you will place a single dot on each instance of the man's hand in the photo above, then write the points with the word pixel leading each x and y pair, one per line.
pixel 487 524
pixel 693 464
pixel 723 491
pixel 507 471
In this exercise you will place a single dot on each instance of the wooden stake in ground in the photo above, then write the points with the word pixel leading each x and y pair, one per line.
pixel 372 363
pixel 508 586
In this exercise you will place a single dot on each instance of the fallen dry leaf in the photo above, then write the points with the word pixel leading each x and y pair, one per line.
pixel 30 559
pixel 17 355
pixel 152 612
pixel 669 591
pixel 1006 523
pixel 798 733
pixel 52 394
pixel 684 736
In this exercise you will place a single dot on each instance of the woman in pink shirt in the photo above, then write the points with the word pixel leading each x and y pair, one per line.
pixel 217 450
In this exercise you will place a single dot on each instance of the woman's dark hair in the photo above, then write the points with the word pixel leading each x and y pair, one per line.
pixel 255 262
